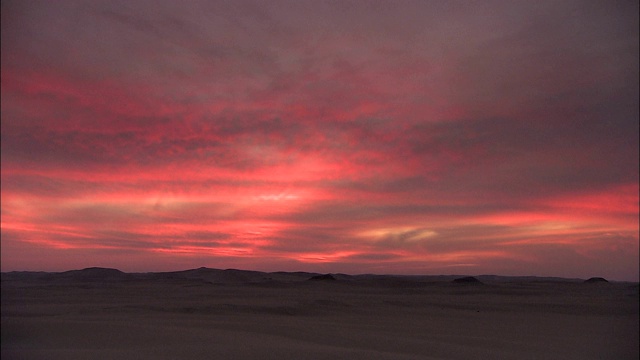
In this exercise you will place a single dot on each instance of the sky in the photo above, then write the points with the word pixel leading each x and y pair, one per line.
pixel 388 137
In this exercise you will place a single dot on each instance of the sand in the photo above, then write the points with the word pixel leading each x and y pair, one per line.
pixel 212 314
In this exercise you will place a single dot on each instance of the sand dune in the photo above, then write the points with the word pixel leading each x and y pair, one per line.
pixel 234 314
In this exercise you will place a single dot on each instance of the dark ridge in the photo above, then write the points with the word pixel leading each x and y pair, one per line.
pixel 467 280
pixel 216 276
pixel 500 278
pixel 95 271
pixel 92 274
pixel 340 277
pixel 236 276
pixel 324 277
pixel 293 273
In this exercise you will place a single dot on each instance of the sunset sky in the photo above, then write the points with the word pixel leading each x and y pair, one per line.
pixel 390 137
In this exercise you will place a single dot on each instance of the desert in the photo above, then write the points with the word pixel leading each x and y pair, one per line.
pixel 206 313
pixel 308 179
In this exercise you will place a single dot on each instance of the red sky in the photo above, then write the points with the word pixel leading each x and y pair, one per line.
pixel 426 137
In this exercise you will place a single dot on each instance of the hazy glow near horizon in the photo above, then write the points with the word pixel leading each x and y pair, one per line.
pixel 360 137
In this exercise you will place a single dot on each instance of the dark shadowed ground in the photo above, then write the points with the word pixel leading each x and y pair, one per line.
pixel 232 314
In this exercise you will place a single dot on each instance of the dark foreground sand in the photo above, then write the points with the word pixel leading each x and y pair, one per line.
pixel 212 314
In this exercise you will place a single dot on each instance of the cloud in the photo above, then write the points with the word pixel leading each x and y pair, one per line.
pixel 261 134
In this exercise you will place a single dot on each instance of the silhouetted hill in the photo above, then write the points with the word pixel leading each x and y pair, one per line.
pixel 325 277
pixel 205 275
pixel 93 274
pixel 467 280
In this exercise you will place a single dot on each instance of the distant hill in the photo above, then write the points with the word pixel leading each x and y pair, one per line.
pixel 325 277
pixel 467 280
pixel 92 274
pixel 235 276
